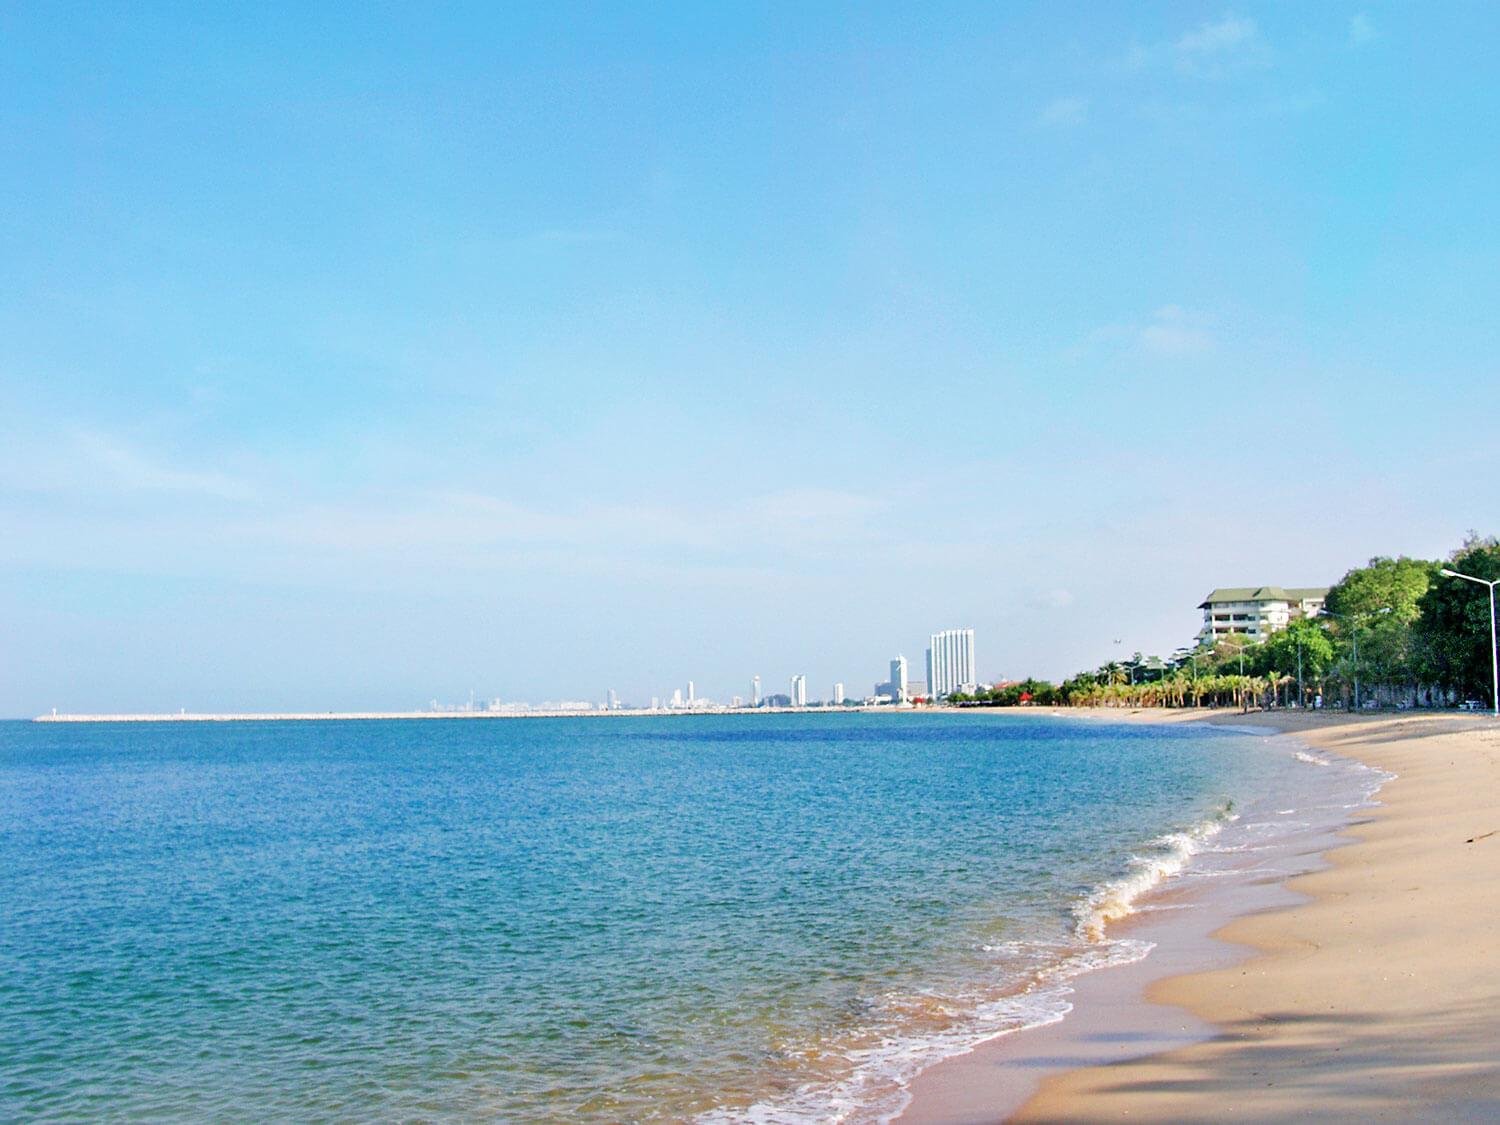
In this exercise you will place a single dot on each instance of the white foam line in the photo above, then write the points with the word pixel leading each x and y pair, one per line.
pixel 877 1090
pixel 1116 899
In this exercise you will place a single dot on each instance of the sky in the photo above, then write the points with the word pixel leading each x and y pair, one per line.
pixel 357 356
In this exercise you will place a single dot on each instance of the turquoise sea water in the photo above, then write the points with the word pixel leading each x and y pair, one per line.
pixel 771 917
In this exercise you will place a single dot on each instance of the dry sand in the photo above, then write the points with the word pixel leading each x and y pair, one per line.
pixel 1378 999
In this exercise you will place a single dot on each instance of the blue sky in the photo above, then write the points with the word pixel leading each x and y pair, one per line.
pixel 356 357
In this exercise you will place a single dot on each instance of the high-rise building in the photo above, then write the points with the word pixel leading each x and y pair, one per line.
pixel 755 692
pixel 950 662
pixel 838 693
pixel 898 680
pixel 692 696
pixel 799 691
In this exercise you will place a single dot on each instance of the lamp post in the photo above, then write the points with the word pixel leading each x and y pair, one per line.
pixel 1494 655
pixel 1240 650
pixel 1301 694
pixel 1353 632
pixel 1196 697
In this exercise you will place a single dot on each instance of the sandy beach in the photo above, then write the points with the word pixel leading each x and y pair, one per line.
pixel 1365 989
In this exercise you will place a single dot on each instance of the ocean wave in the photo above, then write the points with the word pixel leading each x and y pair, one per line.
pixel 1169 855
pixel 1374 777
pixel 876 1089
pixel 892 1053
pixel 882 1058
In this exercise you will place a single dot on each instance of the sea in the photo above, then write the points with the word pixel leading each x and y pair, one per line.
pixel 761 918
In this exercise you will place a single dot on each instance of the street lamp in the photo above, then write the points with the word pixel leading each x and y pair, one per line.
pixel 1353 632
pixel 1494 655
pixel 1240 649
pixel 1301 698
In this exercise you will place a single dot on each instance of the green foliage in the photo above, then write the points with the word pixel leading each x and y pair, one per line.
pixel 1178 690
pixel 1224 656
pixel 1029 692
pixel 1411 627
pixel 1305 638
pixel 1037 693
pixel 1385 586
pixel 1382 603
pixel 1077 686
pixel 1453 631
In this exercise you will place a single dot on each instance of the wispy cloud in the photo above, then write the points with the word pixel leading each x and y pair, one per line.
pixel 135 471
pixel 811 505
pixel 577 236
pixel 89 463
pixel 1064 113
pixel 1054 599
pixel 1213 49
pixel 468 530
pixel 1361 30
pixel 1175 332
pixel 1221 47
pixel 1170 332
pixel 1232 33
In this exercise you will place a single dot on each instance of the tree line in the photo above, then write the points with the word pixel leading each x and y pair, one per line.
pixel 1394 633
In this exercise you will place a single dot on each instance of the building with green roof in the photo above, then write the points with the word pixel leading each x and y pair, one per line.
pixel 1257 611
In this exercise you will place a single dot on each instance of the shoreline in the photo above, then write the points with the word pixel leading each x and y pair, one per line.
pixel 1257 1004
pixel 530 713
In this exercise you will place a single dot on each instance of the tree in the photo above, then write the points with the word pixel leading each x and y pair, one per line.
pixel 1228 651
pixel 1453 633
pixel 1383 602
pixel 1302 647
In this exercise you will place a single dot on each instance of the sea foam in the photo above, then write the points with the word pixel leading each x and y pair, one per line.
pixel 877 1087
pixel 1168 856
pixel 876 1090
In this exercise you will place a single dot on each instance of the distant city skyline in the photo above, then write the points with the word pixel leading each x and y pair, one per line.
pixel 349 363
pixel 896 690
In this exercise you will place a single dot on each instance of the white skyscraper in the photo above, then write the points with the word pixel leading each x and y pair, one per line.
pixel 838 693
pixel 692 695
pixel 755 692
pixel 799 691
pixel 899 679
pixel 950 662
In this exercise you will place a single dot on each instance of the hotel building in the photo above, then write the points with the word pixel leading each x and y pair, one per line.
pixel 950 662
pixel 1257 611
